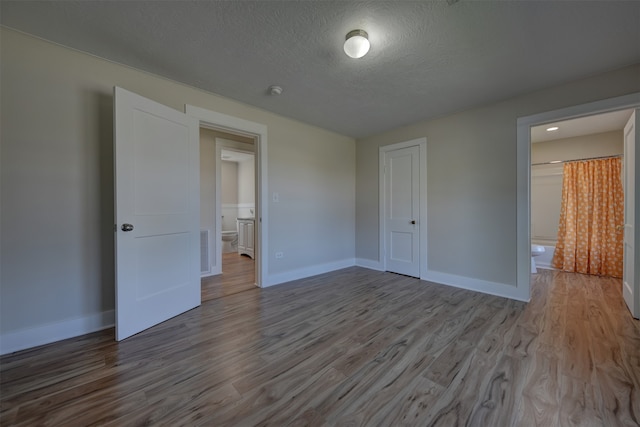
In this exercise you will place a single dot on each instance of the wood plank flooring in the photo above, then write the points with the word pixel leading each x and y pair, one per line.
pixel 349 348
pixel 238 275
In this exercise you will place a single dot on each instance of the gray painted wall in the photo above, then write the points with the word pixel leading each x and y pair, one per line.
pixel 471 173
pixel 57 264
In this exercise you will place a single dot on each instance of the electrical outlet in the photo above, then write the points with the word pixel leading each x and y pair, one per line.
pixel 279 255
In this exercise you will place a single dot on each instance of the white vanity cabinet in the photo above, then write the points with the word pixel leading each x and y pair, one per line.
pixel 246 235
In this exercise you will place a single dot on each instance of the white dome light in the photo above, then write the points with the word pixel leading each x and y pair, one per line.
pixel 357 44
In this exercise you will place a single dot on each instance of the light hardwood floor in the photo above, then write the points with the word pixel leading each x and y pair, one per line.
pixel 238 275
pixel 352 347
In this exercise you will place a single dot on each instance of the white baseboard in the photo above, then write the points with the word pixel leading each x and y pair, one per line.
pixel 46 334
pixel 370 264
pixel 478 285
pixel 214 272
pixel 544 265
pixel 301 273
pixel 52 332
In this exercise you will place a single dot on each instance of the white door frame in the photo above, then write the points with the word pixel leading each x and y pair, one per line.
pixel 523 174
pixel 421 143
pixel 222 122
pixel 631 275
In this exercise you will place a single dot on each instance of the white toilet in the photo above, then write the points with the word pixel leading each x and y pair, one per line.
pixel 536 250
pixel 229 241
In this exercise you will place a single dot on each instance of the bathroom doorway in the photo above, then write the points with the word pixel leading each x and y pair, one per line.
pixel 228 199
pixel 596 137
pixel 632 216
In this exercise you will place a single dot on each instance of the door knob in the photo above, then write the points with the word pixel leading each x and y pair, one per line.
pixel 413 221
pixel 127 227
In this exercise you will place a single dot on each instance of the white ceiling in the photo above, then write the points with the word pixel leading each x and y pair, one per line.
pixel 427 58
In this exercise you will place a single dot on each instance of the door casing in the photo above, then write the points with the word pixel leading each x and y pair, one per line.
pixel 421 143
pixel 630 279
pixel 225 123
pixel 523 175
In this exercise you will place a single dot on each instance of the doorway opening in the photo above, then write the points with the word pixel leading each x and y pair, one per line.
pixel 590 138
pixel 227 196
pixel 241 136
pixel 524 172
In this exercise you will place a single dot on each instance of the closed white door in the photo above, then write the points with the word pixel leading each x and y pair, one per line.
pixel 402 211
pixel 629 279
pixel 157 213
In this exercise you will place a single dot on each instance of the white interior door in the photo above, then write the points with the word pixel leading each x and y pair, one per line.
pixel 402 211
pixel 157 213
pixel 630 282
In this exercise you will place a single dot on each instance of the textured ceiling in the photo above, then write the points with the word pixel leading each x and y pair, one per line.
pixel 427 59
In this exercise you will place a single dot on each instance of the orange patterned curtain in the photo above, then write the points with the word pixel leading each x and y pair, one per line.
pixel 592 208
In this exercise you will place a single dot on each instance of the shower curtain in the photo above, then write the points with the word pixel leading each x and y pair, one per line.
pixel 590 240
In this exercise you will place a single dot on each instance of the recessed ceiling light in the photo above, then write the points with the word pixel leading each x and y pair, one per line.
pixel 552 128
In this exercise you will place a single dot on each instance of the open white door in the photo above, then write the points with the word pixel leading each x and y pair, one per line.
pixel 157 213
pixel 630 282
pixel 402 210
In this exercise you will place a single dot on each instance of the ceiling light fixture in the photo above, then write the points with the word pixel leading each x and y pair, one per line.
pixel 551 129
pixel 357 43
